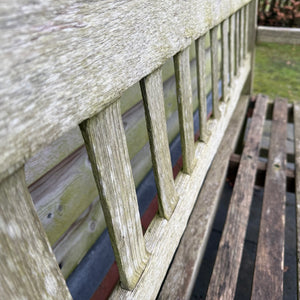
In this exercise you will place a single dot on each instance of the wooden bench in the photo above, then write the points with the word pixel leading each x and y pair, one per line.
pixel 267 277
pixel 66 64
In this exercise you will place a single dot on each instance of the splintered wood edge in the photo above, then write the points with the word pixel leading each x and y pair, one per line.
pixel 162 237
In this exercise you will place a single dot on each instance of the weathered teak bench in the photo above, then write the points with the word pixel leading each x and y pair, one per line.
pixel 66 64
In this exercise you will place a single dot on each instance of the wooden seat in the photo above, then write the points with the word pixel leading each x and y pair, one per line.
pixel 267 280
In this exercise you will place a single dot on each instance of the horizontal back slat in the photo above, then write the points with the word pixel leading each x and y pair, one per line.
pixel 63 62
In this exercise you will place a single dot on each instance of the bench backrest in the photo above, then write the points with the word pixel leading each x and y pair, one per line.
pixel 67 63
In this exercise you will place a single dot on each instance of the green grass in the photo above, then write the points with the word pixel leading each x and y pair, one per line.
pixel 277 71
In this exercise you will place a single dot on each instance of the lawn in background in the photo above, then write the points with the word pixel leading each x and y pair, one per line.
pixel 277 71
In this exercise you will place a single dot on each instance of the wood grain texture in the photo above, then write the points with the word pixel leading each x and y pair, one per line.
pixel 260 173
pixel 106 145
pixel 66 61
pixel 28 267
pixel 242 33
pixel 201 59
pixel 183 272
pixel 214 71
pixel 246 42
pixel 251 43
pixel 278 35
pixel 162 237
pixel 225 273
pixel 185 109
pixel 237 41
pixel 297 184
pixel 64 193
pixel 225 59
pixel 232 49
pixel 269 264
pixel 152 90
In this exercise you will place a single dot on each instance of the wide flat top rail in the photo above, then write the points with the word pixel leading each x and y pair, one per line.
pixel 64 61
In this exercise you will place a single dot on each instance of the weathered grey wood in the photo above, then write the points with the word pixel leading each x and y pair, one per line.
pixel 225 273
pixel 63 62
pixel 232 68
pixel 297 184
pixel 28 267
pixel 246 10
pixel 278 35
pixel 269 264
pixel 242 33
pixel 252 29
pixel 225 60
pixel 237 41
pixel 185 109
pixel 106 145
pixel 183 272
pixel 261 173
pixel 162 237
pixel 152 90
pixel 200 57
pixel 214 71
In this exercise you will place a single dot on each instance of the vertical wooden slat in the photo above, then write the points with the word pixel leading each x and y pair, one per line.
pixel 242 34
pixel 214 71
pixel 185 108
pixel 252 27
pixel 246 30
pixel 28 267
pixel 297 184
pixel 200 56
pixel 225 273
pixel 237 42
pixel 225 58
pixel 152 90
pixel 232 49
pixel 269 264
pixel 183 272
pixel 106 146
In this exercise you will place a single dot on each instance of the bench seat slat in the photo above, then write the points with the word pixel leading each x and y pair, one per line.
pixel 225 273
pixel 185 108
pixel 28 266
pixel 152 90
pixel 106 146
pixel 268 273
pixel 185 265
